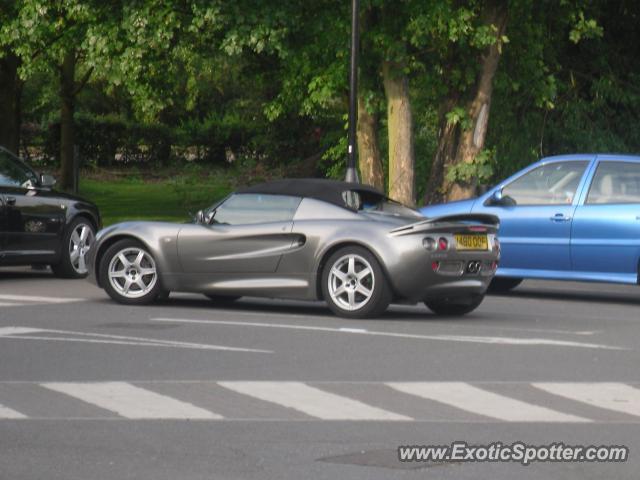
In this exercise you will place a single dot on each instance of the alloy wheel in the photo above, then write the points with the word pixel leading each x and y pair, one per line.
pixel 80 243
pixel 132 272
pixel 351 282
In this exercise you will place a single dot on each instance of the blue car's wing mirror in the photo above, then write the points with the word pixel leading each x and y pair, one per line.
pixel 496 198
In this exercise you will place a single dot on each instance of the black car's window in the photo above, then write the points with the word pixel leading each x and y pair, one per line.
pixel 551 184
pixel 250 208
pixel 615 182
pixel 13 173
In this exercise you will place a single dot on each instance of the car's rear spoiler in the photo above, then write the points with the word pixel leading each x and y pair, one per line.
pixel 467 219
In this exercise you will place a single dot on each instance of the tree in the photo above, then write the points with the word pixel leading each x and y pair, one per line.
pixel 46 34
pixel 10 88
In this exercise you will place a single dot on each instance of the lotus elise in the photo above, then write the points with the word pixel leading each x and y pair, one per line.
pixel 345 243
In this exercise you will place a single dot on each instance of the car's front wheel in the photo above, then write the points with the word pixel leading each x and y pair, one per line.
pixel 129 274
pixel 454 306
pixel 76 243
pixel 354 285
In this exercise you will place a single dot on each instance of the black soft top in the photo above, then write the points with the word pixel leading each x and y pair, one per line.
pixel 330 191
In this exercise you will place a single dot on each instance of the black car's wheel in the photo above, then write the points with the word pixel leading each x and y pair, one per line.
pixel 503 284
pixel 222 299
pixel 128 273
pixel 354 285
pixel 454 306
pixel 76 243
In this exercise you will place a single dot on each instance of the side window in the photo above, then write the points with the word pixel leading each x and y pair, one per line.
pixel 615 182
pixel 249 208
pixel 551 184
pixel 13 173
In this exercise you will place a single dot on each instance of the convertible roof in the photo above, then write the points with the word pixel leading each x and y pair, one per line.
pixel 322 189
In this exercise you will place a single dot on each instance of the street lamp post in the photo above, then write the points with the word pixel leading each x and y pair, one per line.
pixel 352 172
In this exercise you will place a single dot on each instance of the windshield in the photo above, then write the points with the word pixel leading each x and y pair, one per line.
pixel 375 203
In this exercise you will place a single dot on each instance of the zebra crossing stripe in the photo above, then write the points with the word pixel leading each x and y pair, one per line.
pixel 618 397
pixel 482 402
pixel 9 413
pixel 130 401
pixel 312 401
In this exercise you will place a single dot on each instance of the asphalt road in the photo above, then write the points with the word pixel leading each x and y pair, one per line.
pixel 264 389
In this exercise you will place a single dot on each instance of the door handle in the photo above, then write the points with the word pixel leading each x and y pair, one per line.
pixel 559 217
pixel 10 200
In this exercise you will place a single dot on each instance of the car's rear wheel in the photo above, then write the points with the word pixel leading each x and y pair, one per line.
pixel 354 285
pixel 222 299
pixel 76 243
pixel 455 305
pixel 503 284
pixel 129 274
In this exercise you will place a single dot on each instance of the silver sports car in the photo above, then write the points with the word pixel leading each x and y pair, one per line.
pixel 305 239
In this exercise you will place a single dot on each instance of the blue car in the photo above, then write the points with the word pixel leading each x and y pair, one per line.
pixel 569 217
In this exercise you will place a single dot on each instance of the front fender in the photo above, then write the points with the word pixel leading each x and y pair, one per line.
pixel 160 238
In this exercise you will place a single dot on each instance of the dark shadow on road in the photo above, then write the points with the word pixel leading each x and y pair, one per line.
pixel 6 275
pixel 255 305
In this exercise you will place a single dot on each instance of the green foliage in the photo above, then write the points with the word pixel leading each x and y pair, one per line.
pixel 481 169
pixel 266 82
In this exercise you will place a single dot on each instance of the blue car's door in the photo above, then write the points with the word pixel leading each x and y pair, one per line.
pixel 536 215
pixel 605 242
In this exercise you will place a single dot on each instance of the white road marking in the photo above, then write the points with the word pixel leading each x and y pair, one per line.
pixel 132 402
pixel 6 331
pixel 312 401
pixel 611 396
pixel 476 400
pixel 15 333
pixel 445 338
pixel 36 299
pixel 7 413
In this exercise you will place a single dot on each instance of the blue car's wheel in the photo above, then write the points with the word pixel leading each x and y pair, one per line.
pixel 503 284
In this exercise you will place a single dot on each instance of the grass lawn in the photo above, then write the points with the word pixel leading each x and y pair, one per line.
pixel 134 199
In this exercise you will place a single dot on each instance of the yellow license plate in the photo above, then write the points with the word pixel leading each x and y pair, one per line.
pixel 472 242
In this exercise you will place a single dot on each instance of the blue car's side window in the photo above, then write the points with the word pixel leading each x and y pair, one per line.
pixel 615 183
pixel 550 184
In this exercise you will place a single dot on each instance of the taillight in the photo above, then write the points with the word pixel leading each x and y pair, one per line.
pixel 496 245
pixel 494 265
pixel 435 266
pixel 443 243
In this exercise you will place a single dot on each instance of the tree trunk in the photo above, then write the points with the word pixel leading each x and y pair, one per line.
pixel 472 140
pixel 445 154
pixel 400 125
pixel 67 109
pixel 368 150
pixel 10 93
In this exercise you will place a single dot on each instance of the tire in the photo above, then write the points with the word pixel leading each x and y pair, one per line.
pixel 222 298
pixel 503 284
pixel 77 240
pixel 454 306
pixel 163 295
pixel 128 273
pixel 348 291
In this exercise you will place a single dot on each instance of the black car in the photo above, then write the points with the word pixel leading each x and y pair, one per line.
pixel 39 226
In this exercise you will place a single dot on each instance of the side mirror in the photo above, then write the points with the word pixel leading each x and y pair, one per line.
pixel 496 198
pixel 199 218
pixel 47 181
